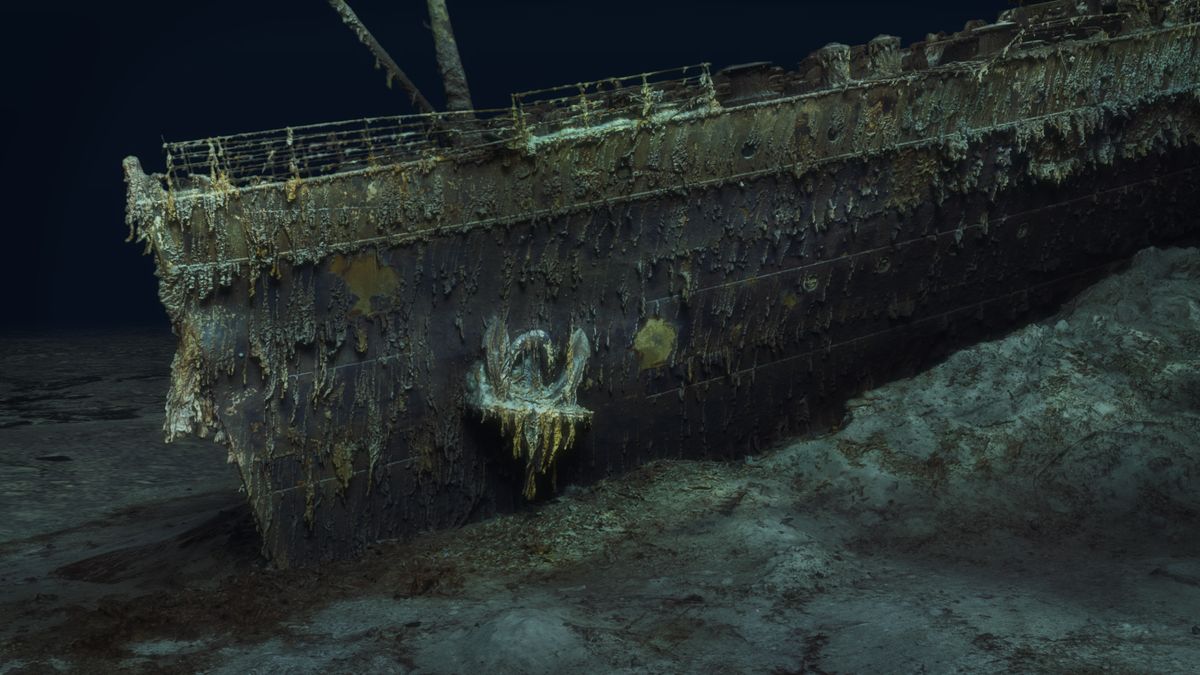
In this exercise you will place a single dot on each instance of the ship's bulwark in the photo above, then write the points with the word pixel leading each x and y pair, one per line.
pixel 738 269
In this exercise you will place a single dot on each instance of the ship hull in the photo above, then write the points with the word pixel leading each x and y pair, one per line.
pixel 738 277
pixel 758 354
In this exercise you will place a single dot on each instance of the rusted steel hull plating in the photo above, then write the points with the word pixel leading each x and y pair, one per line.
pixel 691 268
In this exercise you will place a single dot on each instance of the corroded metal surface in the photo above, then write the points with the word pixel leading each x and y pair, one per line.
pixel 742 253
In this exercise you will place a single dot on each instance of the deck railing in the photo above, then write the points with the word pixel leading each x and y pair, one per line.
pixel 322 149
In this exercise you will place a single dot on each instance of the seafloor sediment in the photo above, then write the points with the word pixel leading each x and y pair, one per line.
pixel 1029 505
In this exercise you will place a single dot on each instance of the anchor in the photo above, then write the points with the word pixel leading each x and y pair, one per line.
pixel 512 385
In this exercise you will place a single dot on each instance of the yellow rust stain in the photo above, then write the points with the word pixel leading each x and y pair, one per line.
pixel 293 186
pixel 878 124
pixel 343 463
pixel 654 344
pixel 790 300
pixel 367 280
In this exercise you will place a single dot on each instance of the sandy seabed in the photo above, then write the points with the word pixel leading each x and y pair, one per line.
pixel 1029 505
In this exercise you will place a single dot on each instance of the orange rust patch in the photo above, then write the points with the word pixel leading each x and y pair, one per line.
pixel 367 280
pixel 654 344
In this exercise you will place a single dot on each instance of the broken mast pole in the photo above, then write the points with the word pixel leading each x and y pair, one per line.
pixel 381 56
pixel 458 96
